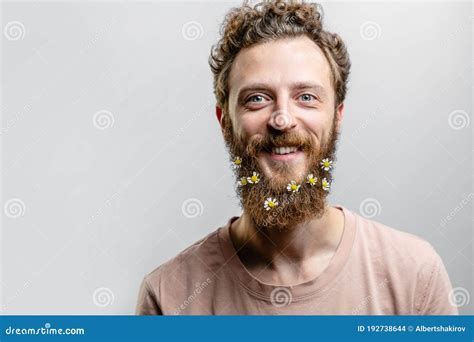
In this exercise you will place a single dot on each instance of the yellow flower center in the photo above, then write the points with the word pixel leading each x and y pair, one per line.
pixel 311 180
pixel 237 161
pixel 271 204
pixel 254 178
pixel 294 186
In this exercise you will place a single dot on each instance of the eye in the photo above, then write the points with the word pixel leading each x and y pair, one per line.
pixel 307 97
pixel 259 99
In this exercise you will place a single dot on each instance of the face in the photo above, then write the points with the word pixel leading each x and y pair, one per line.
pixel 282 122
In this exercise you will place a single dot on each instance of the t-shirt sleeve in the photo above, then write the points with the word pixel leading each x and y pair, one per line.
pixel 437 291
pixel 147 303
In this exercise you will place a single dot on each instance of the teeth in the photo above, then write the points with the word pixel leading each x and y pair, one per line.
pixel 284 150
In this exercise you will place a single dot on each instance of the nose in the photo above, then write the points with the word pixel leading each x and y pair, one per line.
pixel 282 120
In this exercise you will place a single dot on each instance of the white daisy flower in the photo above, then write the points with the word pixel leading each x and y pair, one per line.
pixel 326 164
pixel 311 180
pixel 326 185
pixel 237 162
pixel 270 203
pixel 254 179
pixel 293 186
pixel 242 181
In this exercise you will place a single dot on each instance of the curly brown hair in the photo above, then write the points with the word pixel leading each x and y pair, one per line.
pixel 269 20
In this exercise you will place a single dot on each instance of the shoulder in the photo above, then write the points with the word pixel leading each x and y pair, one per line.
pixel 168 286
pixel 384 240
pixel 412 270
pixel 409 263
pixel 196 263
pixel 405 258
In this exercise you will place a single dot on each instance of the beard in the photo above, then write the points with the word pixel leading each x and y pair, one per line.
pixel 293 208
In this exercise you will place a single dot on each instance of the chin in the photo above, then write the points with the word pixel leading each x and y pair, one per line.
pixel 281 178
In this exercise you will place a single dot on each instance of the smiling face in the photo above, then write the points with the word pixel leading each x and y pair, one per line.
pixel 283 122
pixel 283 86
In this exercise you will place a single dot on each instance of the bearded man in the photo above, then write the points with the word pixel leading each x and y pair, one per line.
pixel 280 81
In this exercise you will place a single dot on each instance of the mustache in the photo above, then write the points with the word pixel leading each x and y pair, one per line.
pixel 266 143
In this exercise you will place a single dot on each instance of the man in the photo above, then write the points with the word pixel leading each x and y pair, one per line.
pixel 280 82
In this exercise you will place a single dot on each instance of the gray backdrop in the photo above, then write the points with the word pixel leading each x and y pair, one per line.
pixel 113 162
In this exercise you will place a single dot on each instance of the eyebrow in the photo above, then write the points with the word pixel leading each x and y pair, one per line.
pixel 294 86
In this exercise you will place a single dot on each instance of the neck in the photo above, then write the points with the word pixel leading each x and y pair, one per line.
pixel 294 245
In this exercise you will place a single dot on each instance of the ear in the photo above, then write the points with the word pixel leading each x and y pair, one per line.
pixel 219 115
pixel 339 116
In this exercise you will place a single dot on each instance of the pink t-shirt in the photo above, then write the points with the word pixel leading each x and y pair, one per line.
pixel 376 270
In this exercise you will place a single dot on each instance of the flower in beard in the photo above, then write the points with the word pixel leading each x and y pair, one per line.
pixel 311 180
pixel 293 186
pixel 237 162
pixel 254 179
pixel 310 201
pixel 326 164
pixel 325 184
pixel 270 203
pixel 242 181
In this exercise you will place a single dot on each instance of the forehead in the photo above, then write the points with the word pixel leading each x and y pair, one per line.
pixel 280 62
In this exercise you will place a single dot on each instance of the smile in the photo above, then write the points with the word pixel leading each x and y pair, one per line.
pixel 284 150
pixel 285 153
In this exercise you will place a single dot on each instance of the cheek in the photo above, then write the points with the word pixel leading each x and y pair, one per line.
pixel 250 126
pixel 316 119
pixel 317 127
pixel 320 122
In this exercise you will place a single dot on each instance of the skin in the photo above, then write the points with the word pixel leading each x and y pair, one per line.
pixel 301 252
